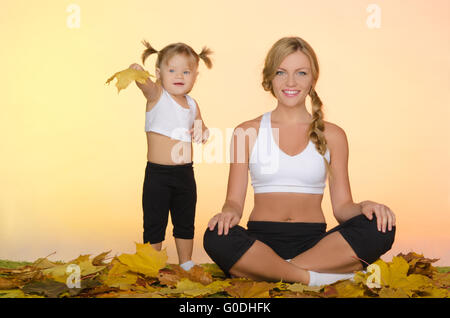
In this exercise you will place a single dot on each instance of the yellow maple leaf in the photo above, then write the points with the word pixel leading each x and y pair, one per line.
pixel 300 288
pixel 433 292
pixel 347 288
pixel 395 281
pixel 147 260
pixel 79 259
pixel 125 77
pixel 392 293
pixel 120 276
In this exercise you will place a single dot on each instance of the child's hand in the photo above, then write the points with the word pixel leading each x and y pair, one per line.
pixel 205 135
pixel 136 67
pixel 199 136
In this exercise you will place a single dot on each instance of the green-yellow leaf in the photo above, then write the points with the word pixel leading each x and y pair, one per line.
pixel 60 273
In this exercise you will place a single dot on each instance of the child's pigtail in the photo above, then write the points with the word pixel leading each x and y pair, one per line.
pixel 204 56
pixel 148 51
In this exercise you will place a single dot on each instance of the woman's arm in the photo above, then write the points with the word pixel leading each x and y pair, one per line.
pixel 237 184
pixel 341 198
pixel 149 88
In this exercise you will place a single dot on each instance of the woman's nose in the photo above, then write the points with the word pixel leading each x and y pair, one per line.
pixel 290 81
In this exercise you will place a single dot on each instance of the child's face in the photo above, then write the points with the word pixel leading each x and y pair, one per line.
pixel 178 75
pixel 293 79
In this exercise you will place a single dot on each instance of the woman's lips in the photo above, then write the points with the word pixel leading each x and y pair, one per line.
pixel 290 92
pixel 179 84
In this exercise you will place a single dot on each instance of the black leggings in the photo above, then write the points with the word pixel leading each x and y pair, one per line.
pixel 290 239
pixel 169 187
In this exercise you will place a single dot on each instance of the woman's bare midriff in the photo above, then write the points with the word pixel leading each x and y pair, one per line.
pixel 166 151
pixel 287 207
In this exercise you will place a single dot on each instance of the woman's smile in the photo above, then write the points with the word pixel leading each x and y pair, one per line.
pixel 290 92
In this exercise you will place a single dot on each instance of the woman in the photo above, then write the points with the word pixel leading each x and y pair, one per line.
pixel 285 237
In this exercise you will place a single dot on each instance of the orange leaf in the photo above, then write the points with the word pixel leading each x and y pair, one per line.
pixel 250 289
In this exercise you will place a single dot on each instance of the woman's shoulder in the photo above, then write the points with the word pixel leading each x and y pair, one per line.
pixel 251 123
pixel 334 134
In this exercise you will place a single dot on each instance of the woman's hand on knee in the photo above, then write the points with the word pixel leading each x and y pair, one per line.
pixel 385 217
pixel 224 221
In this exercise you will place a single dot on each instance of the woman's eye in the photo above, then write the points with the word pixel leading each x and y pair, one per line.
pixel 171 71
pixel 302 73
pixel 279 73
pixel 187 72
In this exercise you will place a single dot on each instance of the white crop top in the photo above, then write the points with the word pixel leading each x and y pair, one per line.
pixel 272 170
pixel 169 118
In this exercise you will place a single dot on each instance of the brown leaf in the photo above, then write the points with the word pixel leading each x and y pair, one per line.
pixel 198 274
pixel 8 283
pixel 98 260
pixel 168 276
pixel 411 257
pixel 49 288
pixel 330 291
pixel 24 269
pixel 418 264
pixel 171 276
pixel 441 279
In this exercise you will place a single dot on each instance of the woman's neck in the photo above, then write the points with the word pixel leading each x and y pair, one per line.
pixel 292 114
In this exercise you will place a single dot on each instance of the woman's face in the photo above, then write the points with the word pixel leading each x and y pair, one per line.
pixel 293 80
pixel 178 75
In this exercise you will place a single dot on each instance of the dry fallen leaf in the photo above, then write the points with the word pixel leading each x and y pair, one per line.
pixel 99 259
pixel 125 77
pixel 119 276
pixel 147 260
pixel 171 275
pixel 249 289
pixel 147 274
pixel 195 289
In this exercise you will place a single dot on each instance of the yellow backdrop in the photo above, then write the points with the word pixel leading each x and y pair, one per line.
pixel 73 151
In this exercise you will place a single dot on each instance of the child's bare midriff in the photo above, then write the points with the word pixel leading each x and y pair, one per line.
pixel 167 151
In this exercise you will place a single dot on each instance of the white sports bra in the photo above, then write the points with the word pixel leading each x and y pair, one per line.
pixel 272 170
pixel 169 118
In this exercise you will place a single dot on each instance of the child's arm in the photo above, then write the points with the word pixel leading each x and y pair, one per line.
pixel 200 136
pixel 149 88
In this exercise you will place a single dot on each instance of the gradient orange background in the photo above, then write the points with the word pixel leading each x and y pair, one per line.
pixel 73 151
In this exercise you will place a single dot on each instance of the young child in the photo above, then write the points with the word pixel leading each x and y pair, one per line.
pixel 169 182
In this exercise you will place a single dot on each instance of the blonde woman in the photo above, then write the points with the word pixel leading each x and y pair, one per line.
pixel 169 183
pixel 286 237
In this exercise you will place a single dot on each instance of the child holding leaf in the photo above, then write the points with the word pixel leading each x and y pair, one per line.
pixel 169 182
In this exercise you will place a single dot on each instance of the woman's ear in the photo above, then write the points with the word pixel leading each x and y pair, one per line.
pixel 157 73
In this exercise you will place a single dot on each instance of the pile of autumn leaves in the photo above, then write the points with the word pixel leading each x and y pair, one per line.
pixel 147 274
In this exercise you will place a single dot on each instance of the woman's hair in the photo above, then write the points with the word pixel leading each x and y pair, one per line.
pixel 176 48
pixel 279 51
